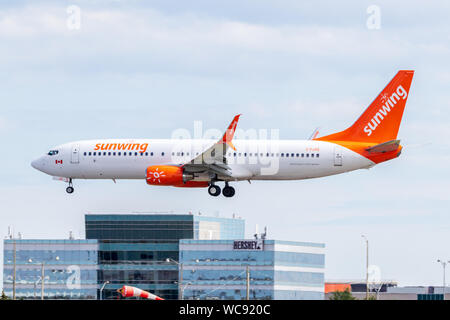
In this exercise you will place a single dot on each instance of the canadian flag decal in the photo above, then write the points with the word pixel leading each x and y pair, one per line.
pixel 58 161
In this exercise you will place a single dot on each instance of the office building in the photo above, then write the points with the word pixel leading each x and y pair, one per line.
pixel 142 250
pixel 50 269
pixel 217 269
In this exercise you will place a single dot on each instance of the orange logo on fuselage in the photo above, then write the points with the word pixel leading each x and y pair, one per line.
pixel 141 147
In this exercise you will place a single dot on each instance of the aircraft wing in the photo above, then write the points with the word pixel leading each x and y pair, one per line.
pixel 214 158
pixel 384 147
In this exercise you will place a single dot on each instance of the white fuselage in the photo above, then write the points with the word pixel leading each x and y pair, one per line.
pixel 252 159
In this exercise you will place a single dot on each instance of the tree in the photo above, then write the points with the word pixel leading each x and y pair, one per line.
pixel 342 295
pixel 4 296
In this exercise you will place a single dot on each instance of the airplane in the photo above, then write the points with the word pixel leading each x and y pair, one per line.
pixel 203 163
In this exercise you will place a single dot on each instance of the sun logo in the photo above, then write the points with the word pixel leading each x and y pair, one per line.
pixel 156 175
pixel 384 97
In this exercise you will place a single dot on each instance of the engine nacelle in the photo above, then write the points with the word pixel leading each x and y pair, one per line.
pixel 167 176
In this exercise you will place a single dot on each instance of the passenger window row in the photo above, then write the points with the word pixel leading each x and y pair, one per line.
pixel 235 154
pixel 112 153
pixel 120 153
pixel 287 155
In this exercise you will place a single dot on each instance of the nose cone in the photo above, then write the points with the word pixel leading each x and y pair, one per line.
pixel 38 164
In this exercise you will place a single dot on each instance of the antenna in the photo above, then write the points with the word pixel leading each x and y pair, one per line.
pixel 256 232
pixel 264 235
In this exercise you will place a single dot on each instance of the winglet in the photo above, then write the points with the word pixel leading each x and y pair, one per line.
pixel 314 134
pixel 228 136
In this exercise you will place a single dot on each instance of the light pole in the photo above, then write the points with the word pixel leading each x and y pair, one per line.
pixel 184 288
pixel 34 288
pixel 248 283
pixel 444 264
pixel 42 275
pixel 180 282
pixel 14 269
pixel 101 289
pixel 367 266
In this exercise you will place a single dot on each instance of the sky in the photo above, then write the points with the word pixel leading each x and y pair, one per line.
pixel 143 69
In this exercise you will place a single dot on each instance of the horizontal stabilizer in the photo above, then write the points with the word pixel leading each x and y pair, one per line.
pixel 384 147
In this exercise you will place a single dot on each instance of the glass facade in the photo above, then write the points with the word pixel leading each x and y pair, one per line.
pixel 134 248
pixel 197 257
pixel 69 267
pixel 209 228
pixel 217 269
pixel 138 227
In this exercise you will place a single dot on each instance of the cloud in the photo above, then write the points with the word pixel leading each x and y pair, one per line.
pixel 153 41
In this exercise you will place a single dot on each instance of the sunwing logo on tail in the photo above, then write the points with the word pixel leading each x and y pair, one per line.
pixel 389 104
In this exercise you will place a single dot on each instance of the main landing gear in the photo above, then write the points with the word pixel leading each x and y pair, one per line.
pixel 70 188
pixel 227 191
pixel 214 190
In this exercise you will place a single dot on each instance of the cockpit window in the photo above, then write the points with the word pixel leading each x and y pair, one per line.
pixel 52 152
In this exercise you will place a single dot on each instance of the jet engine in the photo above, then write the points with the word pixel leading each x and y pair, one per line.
pixel 167 176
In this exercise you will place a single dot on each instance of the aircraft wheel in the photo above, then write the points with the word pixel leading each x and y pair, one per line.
pixel 69 189
pixel 214 190
pixel 228 191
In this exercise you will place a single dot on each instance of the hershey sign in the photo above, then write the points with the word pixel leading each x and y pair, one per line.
pixel 249 245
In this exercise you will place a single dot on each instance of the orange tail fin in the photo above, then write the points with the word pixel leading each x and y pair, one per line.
pixel 381 120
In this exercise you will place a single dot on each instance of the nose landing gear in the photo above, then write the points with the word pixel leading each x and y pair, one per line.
pixel 70 188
